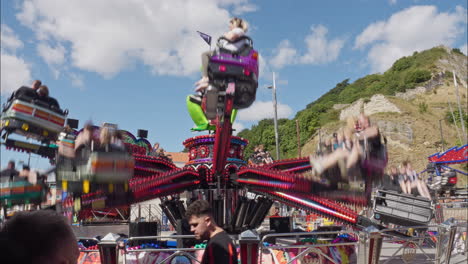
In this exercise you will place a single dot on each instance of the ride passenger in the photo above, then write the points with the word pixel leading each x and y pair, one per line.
pixel 346 156
pixel 237 28
pixel 85 143
pixel 416 182
pixel 26 92
pixel 9 172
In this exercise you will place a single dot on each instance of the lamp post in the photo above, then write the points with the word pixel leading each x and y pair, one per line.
pixel 275 119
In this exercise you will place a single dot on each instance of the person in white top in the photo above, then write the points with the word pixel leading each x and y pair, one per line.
pixel 237 28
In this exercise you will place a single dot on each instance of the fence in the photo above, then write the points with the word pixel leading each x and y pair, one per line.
pixel 159 256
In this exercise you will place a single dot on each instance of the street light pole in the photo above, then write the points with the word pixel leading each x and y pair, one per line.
pixel 276 118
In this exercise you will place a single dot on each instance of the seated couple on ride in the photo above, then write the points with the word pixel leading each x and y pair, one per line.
pixel 355 143
pixel 237 28
pixel 36 92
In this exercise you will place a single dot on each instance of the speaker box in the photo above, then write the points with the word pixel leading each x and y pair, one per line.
pixel 281 224
pixel 142 133
pixel 137 229
pixel 143 229
pixel 73 123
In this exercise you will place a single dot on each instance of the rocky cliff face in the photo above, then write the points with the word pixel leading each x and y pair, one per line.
pixel 377 104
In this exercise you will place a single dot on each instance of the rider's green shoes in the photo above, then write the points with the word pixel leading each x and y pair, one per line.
pixel 204 127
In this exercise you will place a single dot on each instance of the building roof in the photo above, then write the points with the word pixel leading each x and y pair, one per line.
pixel 182 157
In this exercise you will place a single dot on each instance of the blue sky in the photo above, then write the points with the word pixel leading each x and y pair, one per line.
pixel 132 62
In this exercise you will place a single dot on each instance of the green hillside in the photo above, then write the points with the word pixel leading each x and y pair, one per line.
pixel 405 73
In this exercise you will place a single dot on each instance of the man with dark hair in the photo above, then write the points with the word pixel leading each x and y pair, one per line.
pixel 38 237
pixel 220 248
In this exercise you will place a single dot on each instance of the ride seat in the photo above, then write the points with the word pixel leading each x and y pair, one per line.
pixel 240 47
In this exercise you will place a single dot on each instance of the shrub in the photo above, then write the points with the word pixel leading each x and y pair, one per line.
pixel 422 107
pixel 402 64
pixel 458 51
pixel 418 76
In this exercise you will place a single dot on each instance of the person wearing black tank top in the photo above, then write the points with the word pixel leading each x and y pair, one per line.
pixel 220 248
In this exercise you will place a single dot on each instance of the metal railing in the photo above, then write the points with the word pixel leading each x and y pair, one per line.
pixel 423 244
pixel 309 248
pixel 173 253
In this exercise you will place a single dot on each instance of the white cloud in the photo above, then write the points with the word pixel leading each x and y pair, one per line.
pixel 9 41
pixel 51 55
pixel 238 127
pixel 392 2
pixel 245 8
pixel 15 73
pixel 109 36
pixel 262 110
pixel 413 29
pixel 319 49
pixel 285 54
pixel 464 48
pixel 77 80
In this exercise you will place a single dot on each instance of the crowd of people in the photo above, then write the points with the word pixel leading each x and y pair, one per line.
pixel 352 146
pixel 405 179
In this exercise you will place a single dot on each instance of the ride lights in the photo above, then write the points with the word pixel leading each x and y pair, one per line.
pixel 7 123
pixel 453 180
pixel 255 56
pixel 45 133
pixel 249 241
pixel 25 127
pixel 246 72
pixel 222 68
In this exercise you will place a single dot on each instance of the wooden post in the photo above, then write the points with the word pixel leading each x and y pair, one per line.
pixel 298 139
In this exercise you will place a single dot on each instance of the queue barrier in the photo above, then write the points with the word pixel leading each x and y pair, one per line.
pixel 440 244
pixel 171 253
pixel 304 250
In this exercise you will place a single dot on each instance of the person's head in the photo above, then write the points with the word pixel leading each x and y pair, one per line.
pixel 38 237
pixel 11 164
pixel 351 123
pixel 105 136
pixel 348 133
pixel 87 131
pixel 36 84
pixel 236 22
pixel 364 121
pixel 340 136
pixel 393 171
pixel 43 91
pixel 156 146
pixel 26 168
pixel 277 210
pixel 200 219
pixel 402 169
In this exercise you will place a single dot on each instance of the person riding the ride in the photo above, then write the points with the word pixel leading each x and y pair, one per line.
pixel 237 29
